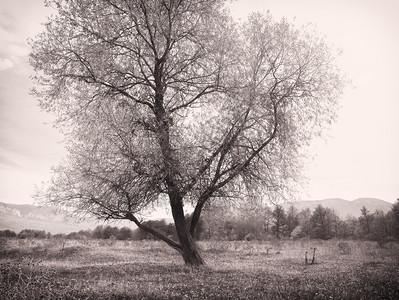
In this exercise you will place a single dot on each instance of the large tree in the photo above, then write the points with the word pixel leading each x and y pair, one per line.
pixel 171 100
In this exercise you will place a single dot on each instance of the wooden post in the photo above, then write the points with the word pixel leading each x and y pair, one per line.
pixel 314 253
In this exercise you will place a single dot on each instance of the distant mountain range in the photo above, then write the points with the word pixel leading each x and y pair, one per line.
pixel 18 217
pixel 344 208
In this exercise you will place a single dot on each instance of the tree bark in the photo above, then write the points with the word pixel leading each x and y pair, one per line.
pixel 197 212
pixel 189 249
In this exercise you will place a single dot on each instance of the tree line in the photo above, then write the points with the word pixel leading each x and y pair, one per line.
pixel 251 224
pixel 280 222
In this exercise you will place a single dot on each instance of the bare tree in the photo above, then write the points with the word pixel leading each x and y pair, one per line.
pixel 171 100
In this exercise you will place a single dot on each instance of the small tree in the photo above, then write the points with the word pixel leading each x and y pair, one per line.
pixel 348 228
pixel 280 220
pixel 366 221
pixel 125 233
pixel 305 227
pixel 380 226
pixel 267 216
pixel 395 217
pixel 110 231
pixel 98 232
pixel 292 219
pixel 322 223
pixel 215 219
pixel 170 100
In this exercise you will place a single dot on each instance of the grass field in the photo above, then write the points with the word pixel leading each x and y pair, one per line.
pixel 50 269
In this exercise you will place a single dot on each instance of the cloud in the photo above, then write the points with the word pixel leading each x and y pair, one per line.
pixel 5 162
pixel 5 64
pixel 15 29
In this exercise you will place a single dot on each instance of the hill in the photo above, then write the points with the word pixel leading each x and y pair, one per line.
pixel 345 208
pixel 17 217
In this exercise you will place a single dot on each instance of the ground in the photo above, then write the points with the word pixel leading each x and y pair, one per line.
pixel 51 269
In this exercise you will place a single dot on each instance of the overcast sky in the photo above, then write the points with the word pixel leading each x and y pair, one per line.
pixel 359 159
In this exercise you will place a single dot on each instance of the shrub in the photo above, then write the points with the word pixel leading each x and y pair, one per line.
pixel 7 233
pixel 32 233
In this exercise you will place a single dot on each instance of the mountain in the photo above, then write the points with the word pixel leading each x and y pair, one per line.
pixel 17 217
pixel 344 208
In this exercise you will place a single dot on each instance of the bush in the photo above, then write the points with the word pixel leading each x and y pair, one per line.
pixel 124 233
pixel 159 225
pixel 32 233
pixel 7 233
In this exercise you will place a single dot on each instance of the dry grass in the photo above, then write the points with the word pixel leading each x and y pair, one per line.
pixel 47 269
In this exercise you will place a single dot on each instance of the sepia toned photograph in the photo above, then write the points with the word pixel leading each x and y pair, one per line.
pixel 199 149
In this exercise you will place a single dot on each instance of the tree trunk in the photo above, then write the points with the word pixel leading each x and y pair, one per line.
pixel 190 252
pixel 189 249
pixel 196 215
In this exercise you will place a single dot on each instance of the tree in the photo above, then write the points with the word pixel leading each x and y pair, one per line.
pixel 292 219
pixel 125 233
pixel 216 219
pixel 322 223
pixel 380 226
pixel 110 232
pixel 348 227
pixel 366 220
pixel 98 232
pixel 267 220
pixel 159 225
pixel 158 108
pixel 305 227
pixel 280 220
pixel 395 216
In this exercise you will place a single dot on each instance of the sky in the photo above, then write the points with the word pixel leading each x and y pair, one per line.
pixel 359 156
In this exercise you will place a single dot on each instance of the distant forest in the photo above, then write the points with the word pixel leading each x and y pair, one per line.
pixel 252 224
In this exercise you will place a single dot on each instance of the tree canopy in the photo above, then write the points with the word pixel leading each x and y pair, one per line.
pixel 172 100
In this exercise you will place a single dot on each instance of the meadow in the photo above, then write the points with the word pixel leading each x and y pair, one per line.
pixel 107 269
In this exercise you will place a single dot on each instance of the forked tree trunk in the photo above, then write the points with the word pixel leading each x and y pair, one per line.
pixel 189 249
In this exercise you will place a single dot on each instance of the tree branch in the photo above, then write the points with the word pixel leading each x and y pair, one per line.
pixel 155 233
